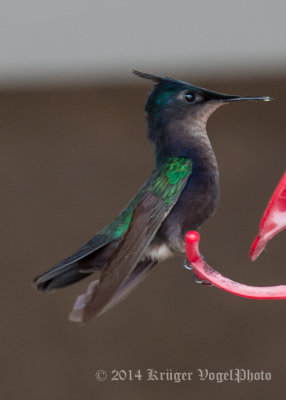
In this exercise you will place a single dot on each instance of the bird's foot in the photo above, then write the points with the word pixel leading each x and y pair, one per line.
pixel 187 265
pixel 201 281
pixel 198 280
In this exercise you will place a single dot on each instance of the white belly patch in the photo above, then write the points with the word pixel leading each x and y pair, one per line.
pixel 159 252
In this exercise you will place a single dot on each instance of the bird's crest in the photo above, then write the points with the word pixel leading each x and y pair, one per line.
pixel 160 79
pixel 154 78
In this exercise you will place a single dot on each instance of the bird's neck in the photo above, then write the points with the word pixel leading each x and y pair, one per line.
pixel 189 141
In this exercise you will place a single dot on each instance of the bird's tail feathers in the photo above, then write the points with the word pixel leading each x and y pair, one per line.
pixel 79 310
pixel 74 268
pixel 59 277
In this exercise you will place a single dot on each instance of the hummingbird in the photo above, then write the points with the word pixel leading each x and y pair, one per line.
pixel 181 193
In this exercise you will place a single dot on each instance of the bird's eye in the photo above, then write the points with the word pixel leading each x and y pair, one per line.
pixel 189 97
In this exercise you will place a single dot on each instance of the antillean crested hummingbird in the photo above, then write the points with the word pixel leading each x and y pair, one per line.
pixel 180 195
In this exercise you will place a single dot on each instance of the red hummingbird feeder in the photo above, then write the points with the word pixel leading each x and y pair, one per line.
pixel 273 222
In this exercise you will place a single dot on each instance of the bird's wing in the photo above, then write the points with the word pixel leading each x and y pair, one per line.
pixel 160 194
pixel 111 233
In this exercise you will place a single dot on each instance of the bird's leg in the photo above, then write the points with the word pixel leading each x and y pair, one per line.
pixel 189 266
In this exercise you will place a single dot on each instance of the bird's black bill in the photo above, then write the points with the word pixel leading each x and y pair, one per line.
pixel 226 98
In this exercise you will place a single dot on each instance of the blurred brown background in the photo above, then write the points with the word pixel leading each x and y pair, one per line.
pixel 71 158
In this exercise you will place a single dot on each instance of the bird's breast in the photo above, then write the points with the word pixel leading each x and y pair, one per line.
pixel 197 202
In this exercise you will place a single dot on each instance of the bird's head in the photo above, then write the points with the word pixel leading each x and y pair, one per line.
pixel 173 100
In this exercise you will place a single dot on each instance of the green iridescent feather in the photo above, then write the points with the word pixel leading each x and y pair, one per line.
pixel 165 98
pixel 171 178
pixel 165 183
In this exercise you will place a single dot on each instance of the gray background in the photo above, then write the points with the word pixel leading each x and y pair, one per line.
pixel 48 42
pixel 73 151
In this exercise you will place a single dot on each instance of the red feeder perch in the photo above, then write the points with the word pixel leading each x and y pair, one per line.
pixel 273 221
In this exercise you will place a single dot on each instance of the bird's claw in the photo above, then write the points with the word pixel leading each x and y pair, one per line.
pixel 201 281
pixel 197 280
pixel 187 265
